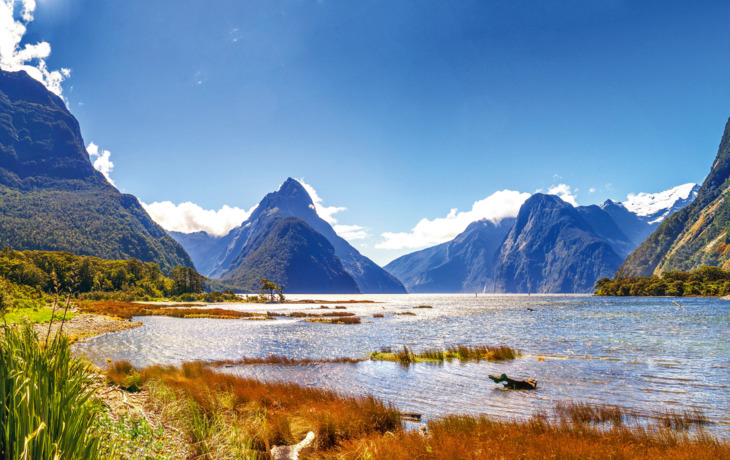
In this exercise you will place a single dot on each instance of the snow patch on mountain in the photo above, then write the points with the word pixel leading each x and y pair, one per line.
pixel 658 206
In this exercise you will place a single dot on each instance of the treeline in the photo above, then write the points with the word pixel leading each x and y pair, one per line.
pixel 48 272
pixel 705 281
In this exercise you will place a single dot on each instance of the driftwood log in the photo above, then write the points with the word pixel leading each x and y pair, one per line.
pixel 529 384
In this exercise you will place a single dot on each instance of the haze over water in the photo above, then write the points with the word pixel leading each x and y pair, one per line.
pixel 644 353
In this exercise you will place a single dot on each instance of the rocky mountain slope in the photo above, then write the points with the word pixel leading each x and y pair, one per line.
pixel 534 257
pixel 697 234
pixel 52 198
pixel 552 248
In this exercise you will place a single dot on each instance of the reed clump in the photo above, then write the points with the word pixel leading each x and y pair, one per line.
pixel 45 406
pixel 233 417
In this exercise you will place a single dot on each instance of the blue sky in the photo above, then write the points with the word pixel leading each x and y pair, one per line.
pixel 397 111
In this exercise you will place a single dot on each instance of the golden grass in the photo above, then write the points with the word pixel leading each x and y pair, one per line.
pixel 232 417
pixel 464 437
pixel 223 413
pixel 127 310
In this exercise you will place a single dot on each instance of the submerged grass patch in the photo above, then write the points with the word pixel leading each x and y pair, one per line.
pixel 282 360
pixel 471 437
pixel 339 320
pixel 459 352
pixel 598 414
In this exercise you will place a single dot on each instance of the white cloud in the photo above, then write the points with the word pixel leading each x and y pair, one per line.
pixel 189 217
pixel 351 232
pixel 31 58
pixel 592 190
pixel 348 232
pixel 564 192
pixel 100 158
pixel 325 212
pixel 497 206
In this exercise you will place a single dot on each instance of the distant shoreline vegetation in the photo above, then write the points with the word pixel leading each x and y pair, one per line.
pixel 702 282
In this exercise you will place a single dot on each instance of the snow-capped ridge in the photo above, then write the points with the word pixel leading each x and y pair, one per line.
pixel 660 205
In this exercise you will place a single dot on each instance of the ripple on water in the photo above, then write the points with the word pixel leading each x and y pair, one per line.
pixel 639 353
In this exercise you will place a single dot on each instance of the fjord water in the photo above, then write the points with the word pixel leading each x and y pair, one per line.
pixel 643 353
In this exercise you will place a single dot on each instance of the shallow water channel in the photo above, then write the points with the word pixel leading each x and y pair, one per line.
pixel 643 353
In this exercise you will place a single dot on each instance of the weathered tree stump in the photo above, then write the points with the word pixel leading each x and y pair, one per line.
pixel 529 384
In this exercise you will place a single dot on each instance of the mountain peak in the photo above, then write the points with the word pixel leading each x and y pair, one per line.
pixel 40 141
pixel 291 198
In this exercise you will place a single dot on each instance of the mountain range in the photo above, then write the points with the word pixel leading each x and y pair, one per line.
pixel 52 198
pixel 285 240
pixel 696 235
pixel 551 246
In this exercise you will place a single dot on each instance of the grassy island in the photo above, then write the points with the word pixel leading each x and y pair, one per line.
pixel 459 352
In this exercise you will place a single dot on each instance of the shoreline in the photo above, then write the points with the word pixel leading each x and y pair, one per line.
pixel 87 325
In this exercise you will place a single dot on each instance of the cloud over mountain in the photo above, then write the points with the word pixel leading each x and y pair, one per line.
pixel 495 207
pixel 100 158
pixel 189 217
pixel 31 58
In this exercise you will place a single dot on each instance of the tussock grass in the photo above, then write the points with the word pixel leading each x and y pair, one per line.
pixel 423 306
pixel 459 352
pixel 45 410
pixel 378 315
pixel 126 310
pixel 233 417
pixel 406 313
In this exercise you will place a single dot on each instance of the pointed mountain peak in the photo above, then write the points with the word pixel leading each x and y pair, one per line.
pixel 291 186
pixel 291 198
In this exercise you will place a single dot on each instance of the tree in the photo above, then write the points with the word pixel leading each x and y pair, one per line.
pixel 272 290
pixel 186 280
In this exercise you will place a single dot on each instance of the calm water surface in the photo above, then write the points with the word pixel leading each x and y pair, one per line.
pixel 634 352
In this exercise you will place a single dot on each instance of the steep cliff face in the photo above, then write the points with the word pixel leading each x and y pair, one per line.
pixel 289 252
pixel 697 234
pixel 220 257
pixel 551 248
pixel 52 198
pixel 465 264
